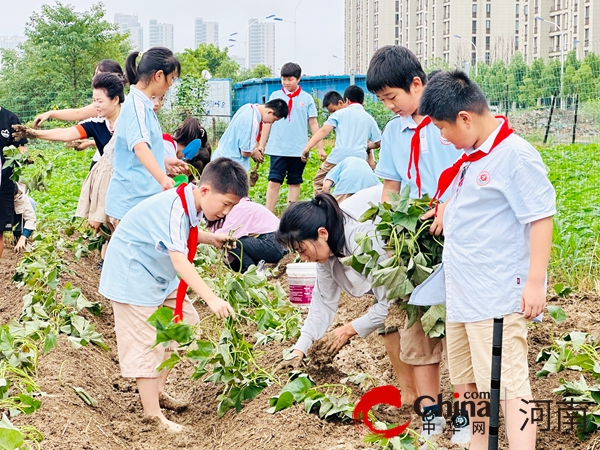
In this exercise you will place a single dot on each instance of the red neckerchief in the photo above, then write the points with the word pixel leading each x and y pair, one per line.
pixel 259 132
pixel 167 137
pixel 415 152
pixel 192 245
pixel 296 93
pixel 448 175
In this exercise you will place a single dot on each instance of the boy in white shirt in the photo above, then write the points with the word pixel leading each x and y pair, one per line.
pixel 498 234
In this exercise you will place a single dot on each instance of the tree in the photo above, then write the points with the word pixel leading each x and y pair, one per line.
pixel 208 57
pixel 58 58
pixel 259 71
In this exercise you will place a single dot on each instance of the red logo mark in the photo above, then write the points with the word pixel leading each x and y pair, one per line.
pixel 386 395
pixel 483 178
pixel 302 104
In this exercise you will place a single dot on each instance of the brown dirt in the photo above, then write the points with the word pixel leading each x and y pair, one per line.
pixel 117 423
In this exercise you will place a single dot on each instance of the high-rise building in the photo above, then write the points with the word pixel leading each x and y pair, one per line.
pixel 463 32
pixel 129 23
pixel 239 59
pixel 161 34
pixel 261 44
pixel 10 43
pixel 205 32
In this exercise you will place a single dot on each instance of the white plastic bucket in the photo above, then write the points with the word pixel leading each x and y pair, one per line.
pixel 301 280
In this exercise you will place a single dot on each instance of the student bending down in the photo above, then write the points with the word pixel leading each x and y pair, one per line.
pixel 254 228
pixel 147 251
pixel 353 174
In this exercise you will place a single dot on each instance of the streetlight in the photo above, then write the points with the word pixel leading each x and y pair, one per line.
pixel 562 55
pixel 224 37
pixel 248 37
pixel 345 63
pixel 474 46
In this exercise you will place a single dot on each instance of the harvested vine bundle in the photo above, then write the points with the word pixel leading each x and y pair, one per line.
pixel 414 255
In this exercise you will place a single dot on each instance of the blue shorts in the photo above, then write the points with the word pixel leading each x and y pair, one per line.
pixel 291 167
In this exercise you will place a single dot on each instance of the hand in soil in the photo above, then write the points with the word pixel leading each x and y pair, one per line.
pixel 340 337
pixel 21 131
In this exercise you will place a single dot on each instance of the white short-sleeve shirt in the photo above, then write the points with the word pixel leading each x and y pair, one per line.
pixel 486 227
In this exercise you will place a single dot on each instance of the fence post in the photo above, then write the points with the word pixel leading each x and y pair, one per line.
pixel 214 130
pixel 550 116
pixel 575 118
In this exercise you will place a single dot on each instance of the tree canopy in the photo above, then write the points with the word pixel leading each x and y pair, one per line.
pixel 56 63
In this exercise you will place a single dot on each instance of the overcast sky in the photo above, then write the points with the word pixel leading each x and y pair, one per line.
pixel 319 24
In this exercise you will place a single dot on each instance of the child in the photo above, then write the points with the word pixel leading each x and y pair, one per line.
pixel 412 153
pixel 107 97
pixel 189 143
pixel 287 138
pixel 498 233
pixel 7 186
pixel 25 218
pixel 255 228
pixel 356 134
pixel 242 137
pixel 146 253
pixel 353 174
pixel 321 231
pixel 139 164
pixel 332 101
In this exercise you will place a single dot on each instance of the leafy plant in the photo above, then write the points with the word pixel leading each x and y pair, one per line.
pixel 413 254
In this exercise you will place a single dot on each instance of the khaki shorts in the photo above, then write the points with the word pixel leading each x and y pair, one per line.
pixel 470 355
pixel 135 337
pixel 319 178
pixel 340 198
pixel 418 349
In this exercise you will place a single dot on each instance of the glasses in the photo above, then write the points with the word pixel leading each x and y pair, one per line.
pixel 157 100
pixel 173 80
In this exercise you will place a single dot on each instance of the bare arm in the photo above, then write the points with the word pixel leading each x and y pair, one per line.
pixel 389 185
pixel 58 134
pixel 533 298
pixel 264 136
pixel 144 154
pixel 187 271
pixel 317 138
pixel 327 185
pixel 314 127
pixel 74 115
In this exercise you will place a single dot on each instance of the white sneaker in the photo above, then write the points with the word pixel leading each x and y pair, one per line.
pixel 433 426
pixel 461 430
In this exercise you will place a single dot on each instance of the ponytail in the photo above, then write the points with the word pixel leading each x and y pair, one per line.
pixel 150 62
pixel 302 220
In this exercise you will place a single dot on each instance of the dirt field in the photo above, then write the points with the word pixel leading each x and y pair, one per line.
pixel 117 423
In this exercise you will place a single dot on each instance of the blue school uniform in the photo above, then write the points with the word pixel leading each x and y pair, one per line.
pixel 137 268
pixel 240 136
pixel 436 155
pixel 131 182
pixel 353 174
pixel 353 128
pixel 289 136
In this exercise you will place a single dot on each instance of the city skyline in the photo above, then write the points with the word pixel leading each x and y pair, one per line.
pixel 316 23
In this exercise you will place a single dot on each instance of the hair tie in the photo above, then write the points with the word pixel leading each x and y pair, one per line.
pixel 315 201
pixel 140 55
pixel 202 132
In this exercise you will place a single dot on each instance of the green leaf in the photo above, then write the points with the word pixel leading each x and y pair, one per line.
pixel 556 313
pixel 285 400
pixel 435 315
pixel 369 214
pixel 298 388
pixel 170 362
pixel 49 342
pixel 204 350
pixel 421 273
pixel 10 437
pixel 404 199
pixel 400 290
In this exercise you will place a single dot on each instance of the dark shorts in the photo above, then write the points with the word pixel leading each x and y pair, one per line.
pixel 7 200
pixel 291 167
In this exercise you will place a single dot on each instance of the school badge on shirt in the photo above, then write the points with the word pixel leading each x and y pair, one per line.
pixel 444 141
pixel 483 178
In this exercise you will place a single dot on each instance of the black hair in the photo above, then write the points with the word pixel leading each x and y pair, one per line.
pixel 225 176
pixel 291 70
pixel 432 74
pixel 279 108
pixel 152 60
pixel 448 93
pixel 302 220
pixel 189 130
pixel 331 98
pixel 109 66
pixel 355 94
pixel 393 66
pixel 111 84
